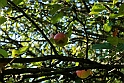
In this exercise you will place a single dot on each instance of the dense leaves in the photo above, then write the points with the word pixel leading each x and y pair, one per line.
pixel 2 19
pixel 3 3
pixel 95 31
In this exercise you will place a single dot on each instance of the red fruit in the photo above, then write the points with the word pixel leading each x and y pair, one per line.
pixel 83 73
pixel 115 33
pixel 60 39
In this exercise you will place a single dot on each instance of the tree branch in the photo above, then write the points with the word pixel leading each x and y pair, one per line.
pixel 88 10
pixel 47 57
pixel 37 27
pixel 52 71
pixel 61 58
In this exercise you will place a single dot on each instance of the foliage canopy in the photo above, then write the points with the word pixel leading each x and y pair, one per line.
pixel 95 30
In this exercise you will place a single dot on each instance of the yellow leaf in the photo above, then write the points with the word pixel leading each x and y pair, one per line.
pixel 15 53
pixel 23 49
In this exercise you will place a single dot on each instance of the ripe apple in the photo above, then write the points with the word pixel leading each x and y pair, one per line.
pixel 83 73
pixel 60 39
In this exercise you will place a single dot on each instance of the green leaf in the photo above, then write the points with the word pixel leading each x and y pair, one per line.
pixel 17 1
pixel 69 32
pixel 54 1
pixel 115 1
pixel 78 80
pixel 4 53
pixel 17 65
pixel 111 54
pixel 116 15
pixel 113 40
pixel 120 46
pixel 73 49
pixel 120 14
pixel 47 81
pixel 25 43
pixel 107 27
pixel 2 20
pixel 113 15
pixel 97 8
pixel 54 8
pixel 120 40
pixel 56 17
pixel 121 10
pixel 52 40
pixel 77 64
pixel 3 3
pixel 67 0
pixel 15 53
pixel 102 46
pixel 36 63
pixel 9 11
pixel 23 49
pixel 92 12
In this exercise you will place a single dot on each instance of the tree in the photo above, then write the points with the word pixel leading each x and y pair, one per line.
pixel 95 41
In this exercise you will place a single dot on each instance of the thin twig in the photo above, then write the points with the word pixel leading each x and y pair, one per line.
pixel 88 10
pixel 37 27
pixel 87 40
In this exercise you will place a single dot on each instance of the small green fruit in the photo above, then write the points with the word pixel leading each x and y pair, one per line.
pixel 60 39
pixel 83 73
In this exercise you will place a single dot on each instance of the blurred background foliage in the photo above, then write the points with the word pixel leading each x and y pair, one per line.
pixel 95 29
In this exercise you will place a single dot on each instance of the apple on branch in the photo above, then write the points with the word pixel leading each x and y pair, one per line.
pixel 83 73
pixel 60 39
